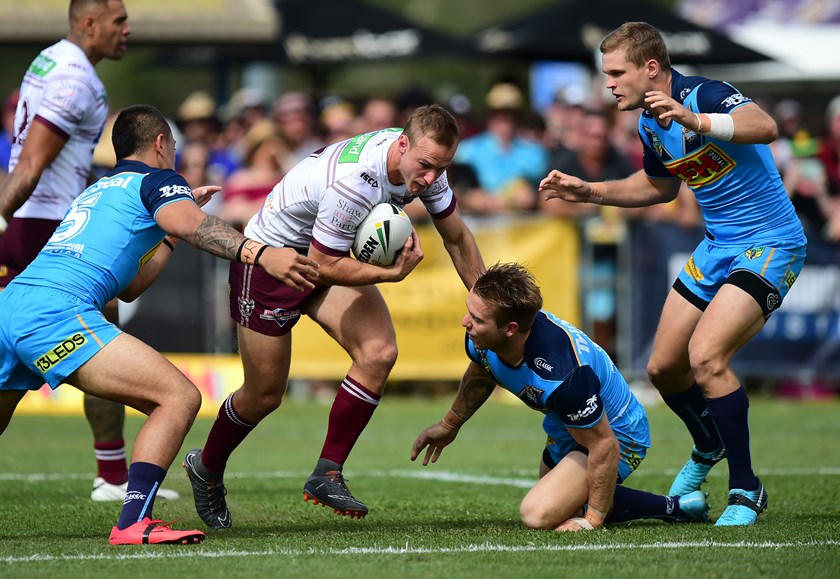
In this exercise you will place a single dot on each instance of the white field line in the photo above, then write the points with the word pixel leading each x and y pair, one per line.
pixel 429 473
pixel 203 553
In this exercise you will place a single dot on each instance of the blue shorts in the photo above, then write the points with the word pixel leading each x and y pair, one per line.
pixel 46 335
pixel 766 273
pixel 631 430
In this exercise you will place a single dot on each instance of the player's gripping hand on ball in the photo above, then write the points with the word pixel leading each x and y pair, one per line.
pixel 410 256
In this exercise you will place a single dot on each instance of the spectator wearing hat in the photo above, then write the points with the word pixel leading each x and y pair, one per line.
pixel 507 165
pixel 198 122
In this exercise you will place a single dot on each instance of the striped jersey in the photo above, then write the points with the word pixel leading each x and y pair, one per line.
pixel 108 233
pixel 325 197
pixel 61 90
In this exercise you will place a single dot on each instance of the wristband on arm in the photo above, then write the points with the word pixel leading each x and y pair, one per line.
pixel 721 126
pixel 259 254
pixel 452 420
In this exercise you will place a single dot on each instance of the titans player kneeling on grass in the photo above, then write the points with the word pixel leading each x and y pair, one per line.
pixel 109 244
pixel 597 431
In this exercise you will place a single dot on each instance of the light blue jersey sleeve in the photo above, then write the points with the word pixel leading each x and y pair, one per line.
pixel 109 231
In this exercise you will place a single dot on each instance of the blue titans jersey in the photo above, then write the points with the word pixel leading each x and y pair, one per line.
pixel 108 232
pixel 569 378
pixel 738 187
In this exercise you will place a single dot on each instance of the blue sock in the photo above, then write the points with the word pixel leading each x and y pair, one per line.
pixel 144 480
pixel 730 413
pixel 691 406
pixel 631 504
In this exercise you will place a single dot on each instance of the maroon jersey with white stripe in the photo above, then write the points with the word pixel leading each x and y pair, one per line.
pixel 60 89
pixel 325 197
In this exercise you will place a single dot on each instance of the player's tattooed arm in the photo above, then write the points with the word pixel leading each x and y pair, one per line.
pixel 218 238
pixel 476 387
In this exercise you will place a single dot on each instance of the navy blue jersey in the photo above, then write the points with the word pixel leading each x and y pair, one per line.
pixel 108 232
pixel 568 377
pixel 738 187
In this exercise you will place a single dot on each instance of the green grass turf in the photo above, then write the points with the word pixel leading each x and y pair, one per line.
pixel 458 518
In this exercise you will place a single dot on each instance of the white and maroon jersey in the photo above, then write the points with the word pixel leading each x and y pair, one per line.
pixel 60 89
pixel 325 197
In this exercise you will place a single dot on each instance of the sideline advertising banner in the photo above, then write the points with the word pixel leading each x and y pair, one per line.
pixel 427 308
pixel 802 339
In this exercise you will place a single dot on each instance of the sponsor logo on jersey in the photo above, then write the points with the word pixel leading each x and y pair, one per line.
pixel 703 167
pixel 347 216
pixel 41 65
pixel 789 280
pixel 60 351
pixel 754 252
pixel 531 396
pixel 352 151
pixel 172 190
pixel 541 363
pixel 694 271
pixel 735 100
pixel 280 315
pixel 370 180
pixel 590 408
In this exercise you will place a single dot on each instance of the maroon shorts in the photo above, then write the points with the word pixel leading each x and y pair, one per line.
pixel 23 240
pixel 264 304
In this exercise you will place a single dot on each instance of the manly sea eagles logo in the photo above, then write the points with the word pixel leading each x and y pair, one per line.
pixel 246 307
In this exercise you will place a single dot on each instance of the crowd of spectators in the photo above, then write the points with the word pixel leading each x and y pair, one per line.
pixel 247 144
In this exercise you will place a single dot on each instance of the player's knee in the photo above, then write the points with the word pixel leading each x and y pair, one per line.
pixel 192 401
pixel 534 516
pixel 706 362
pixel 379 356
pixel 658 373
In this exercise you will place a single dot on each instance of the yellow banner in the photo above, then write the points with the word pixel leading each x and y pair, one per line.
pixel 427 308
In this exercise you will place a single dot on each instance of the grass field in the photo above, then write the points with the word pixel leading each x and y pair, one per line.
pixel 458 518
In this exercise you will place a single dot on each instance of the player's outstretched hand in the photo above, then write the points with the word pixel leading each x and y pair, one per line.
pixel 409 257
pixel 436 437
pixel 559 185
pixel 204 194
pixel 293 269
